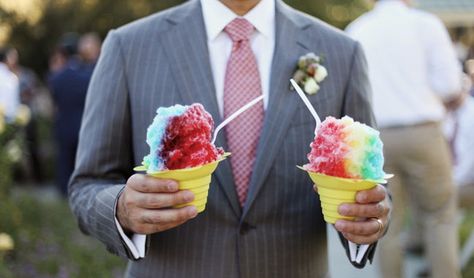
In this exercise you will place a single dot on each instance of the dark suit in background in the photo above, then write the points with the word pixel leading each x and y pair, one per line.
pixel 69 89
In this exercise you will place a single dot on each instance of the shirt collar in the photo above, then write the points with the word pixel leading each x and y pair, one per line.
pixel 217 16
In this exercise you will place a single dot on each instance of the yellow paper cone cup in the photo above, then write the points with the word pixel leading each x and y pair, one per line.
pixel 196 180
pixel 334 191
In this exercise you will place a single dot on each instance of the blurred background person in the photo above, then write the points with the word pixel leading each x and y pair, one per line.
pixel 9 87
pixel 64 55
pixel 463 41
pixel 459 129
pixel 89 48
pixel 27 78
pixel 57 61
pixel 28 93
pixel 469 65
pixel 69 87
pixel 412 70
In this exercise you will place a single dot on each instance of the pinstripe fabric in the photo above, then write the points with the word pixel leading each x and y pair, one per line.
pixel 163 60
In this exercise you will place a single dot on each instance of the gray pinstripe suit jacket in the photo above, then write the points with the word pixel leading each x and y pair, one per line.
pixel 162 60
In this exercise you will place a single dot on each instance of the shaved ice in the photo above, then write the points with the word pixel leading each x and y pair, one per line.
pixel 180 138
pixel 346 149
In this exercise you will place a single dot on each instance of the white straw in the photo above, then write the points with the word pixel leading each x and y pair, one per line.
pixel 235 115
pixel 306 101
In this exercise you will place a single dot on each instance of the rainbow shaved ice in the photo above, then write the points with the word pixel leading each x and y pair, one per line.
pixel 347 149
pixel 180 138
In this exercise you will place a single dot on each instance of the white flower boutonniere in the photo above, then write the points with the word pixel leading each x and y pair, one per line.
pixel 310 73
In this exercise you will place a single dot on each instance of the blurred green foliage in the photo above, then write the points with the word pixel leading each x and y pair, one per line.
pixel 336 12
pixel 48 243
pixel 465 230
pixel 36 40
pixel 11 146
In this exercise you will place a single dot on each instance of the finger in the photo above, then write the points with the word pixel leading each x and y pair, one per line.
pixel 168 216
pixel 361 228
pixel 374 195
pixel 167 226
pixel 315 187
pixel 164 200
pixel 360 239
pixel 147 184
pixel 147 229
pixel 363 210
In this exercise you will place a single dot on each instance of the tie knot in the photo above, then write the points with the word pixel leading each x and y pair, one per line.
pixel 239 29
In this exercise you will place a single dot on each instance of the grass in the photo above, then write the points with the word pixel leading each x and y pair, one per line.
pixel 464 232
pixel 49 244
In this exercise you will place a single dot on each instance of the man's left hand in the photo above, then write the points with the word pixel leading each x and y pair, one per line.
pixel 370 205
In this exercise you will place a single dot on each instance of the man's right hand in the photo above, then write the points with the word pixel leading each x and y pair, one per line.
pixel 146 205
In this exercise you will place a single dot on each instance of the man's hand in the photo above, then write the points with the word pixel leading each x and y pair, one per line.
pixel 146 205
pixel 370 205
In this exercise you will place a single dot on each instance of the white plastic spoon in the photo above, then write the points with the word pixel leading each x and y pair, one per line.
pixel 307 103
pixel 235 115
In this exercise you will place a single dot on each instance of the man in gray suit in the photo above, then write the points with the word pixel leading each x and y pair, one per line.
pixel 180 56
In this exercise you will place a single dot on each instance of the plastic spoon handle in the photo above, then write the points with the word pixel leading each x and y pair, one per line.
pixel 307 103
pixel 235 115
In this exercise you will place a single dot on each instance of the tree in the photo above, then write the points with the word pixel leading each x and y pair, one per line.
pixel 36 39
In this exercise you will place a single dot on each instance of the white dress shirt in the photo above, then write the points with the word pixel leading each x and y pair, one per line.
pixel 412 63
pixel 463 170
pixel 216 17
pixel 9 92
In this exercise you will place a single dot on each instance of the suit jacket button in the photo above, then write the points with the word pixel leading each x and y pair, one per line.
pixel 245 228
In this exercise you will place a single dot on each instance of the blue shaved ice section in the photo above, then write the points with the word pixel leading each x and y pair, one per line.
pixel 156 133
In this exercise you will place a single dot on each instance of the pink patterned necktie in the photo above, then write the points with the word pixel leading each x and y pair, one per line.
pixel 242 84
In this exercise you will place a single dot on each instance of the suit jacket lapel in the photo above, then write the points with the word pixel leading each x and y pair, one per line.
pixel 186 46
pixel 290 44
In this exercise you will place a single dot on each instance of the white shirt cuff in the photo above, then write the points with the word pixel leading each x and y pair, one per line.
pixel 136 244
pixel 357 251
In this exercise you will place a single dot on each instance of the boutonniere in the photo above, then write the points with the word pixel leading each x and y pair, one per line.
pixel 310 73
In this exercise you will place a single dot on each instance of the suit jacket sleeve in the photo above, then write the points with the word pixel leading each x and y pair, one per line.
pixel 104 155
pixel 358 105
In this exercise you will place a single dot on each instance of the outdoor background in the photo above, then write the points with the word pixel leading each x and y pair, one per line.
pixel 45 239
